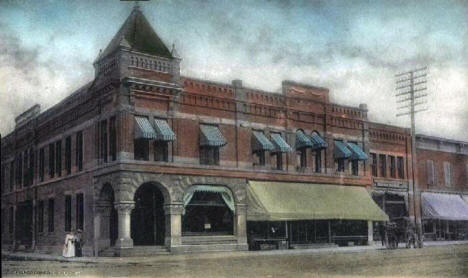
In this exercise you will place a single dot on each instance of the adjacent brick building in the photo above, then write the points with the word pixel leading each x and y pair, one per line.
pixel 142 156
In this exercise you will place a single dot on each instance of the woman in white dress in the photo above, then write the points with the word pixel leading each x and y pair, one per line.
pixel 69 246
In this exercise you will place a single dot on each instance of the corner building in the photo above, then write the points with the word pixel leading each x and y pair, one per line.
pixel 146 161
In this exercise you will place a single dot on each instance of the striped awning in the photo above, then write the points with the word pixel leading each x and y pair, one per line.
pixel 223 191
pixel 302 140
pixel 357 152
pixel 318 141
pixel 260 142
pixel 211 136
pixel 281 145
pixel 341 151
pixel 144 129
pixel 163 131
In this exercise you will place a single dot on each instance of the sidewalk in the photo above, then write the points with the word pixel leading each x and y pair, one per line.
pixel 25 256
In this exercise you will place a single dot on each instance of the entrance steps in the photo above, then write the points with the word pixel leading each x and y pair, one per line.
pixel 136 251
pixel 209 244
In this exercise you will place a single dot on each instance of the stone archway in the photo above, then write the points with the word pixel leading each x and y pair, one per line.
pixel 148 222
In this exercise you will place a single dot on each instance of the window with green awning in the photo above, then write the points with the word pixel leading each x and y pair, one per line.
pixel 302 140
pixel 341 151
pixel 318 141
pixel 356 152
pixel 164 131
pixel 280 144
pixel 211 136
pixel 144 129
pixel 260 142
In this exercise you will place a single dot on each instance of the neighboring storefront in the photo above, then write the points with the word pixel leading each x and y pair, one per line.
pixel 445 216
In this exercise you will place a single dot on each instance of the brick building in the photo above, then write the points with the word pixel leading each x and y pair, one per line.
pixel 144 160
pixel 443 184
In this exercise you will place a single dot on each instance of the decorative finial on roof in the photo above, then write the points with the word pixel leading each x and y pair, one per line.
pixel 174 51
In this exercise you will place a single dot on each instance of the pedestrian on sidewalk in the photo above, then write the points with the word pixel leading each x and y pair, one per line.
pixel 69 246
pixel 78 243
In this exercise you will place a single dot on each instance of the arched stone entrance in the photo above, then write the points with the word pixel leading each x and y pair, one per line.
pixel 148 218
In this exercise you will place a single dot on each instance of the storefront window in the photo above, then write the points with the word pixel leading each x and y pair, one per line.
pixel 207 213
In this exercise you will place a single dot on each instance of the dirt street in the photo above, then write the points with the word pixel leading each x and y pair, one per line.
pixel 440 261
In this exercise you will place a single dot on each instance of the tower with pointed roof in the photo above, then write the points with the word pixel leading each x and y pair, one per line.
pixel 137 51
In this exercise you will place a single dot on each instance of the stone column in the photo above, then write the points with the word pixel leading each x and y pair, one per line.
pixel 240 227
pixel 124 239
pixel 173 212
pixel 370 233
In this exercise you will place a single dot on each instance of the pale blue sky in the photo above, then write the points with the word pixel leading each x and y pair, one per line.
pixel 352 47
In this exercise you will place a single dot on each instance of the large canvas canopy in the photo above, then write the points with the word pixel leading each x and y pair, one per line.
pixel 281 201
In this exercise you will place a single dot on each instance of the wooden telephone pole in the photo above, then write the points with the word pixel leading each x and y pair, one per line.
pixel 411 97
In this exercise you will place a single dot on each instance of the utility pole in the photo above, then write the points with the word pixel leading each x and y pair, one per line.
pixel 411 96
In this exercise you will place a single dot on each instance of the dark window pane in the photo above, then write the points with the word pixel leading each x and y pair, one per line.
pixel 112 139
pixel 383 165
pixel 318 161
pixel 51 160
pixel 401 171
pixel 58 158
pixel 374 164
pixel 50 215
pixel 141 149
pixel 68 155
pixel 161 151
pixel 355 167
pixel 68 213
pixel 79 211
pixel 41 164
pixel 104 139
pixel 79 150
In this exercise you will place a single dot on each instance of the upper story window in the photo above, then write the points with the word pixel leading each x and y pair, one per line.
pixel 260 145
pixel 112 139
pixel 340 154
pixel 430 172
pixel 319 144
pixel 164 136
pixel 211 140
pixel 25 168
pixel 19 169
pixel 31 166
pixel 161 133
pixel 51 160
pixel 103 137
pixel 400 167
pixel 281 146
pixel 58 158
pixel 303 142
pixel 143 132
pixel 79 151
pixel 383 165
pixel 12 175
pixel 448 173
pixel 357 154
pixel 68 158
pixel 374 164
pixel 392 167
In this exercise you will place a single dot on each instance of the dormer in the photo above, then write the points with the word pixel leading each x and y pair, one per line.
pixel 137 51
